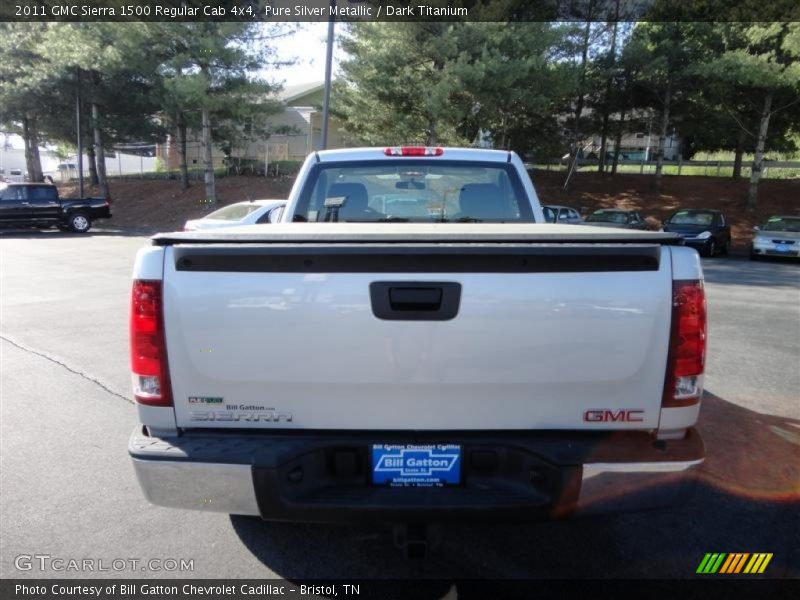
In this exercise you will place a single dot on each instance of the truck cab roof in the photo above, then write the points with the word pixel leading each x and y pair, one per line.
pixel 447 153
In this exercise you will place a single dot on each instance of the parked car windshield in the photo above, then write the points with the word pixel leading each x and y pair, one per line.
pixel 691 217
pixel 420 191
pixel 782 224
pixel 605 216
pixel 234 212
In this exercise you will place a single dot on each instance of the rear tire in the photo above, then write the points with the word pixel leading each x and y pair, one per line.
pixel 725 248
pixel 79 223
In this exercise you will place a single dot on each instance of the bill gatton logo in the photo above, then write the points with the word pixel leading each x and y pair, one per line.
pixel 415 462
pixel 734 563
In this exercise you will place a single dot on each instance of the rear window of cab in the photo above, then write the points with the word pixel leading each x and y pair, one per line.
pixel 419 191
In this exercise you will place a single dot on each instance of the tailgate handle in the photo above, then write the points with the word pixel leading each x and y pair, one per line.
pixel 415 301
pixel 415 298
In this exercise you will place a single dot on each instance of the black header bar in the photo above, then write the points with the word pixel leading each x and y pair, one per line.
pixel 707 588
pixel 397 10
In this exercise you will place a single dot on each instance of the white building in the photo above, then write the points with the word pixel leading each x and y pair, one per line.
pixel 12 161
pixel 641 145
pixel 12 157
pixel 302 114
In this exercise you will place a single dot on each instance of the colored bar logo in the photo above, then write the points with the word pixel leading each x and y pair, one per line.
pixel 734 563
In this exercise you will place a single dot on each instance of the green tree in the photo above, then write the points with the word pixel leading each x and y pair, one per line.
pixel 207 78
pixel 23 93
pixel 451 83
pixel 395 88
pixel 626 95
pixel 762 59
pixel 104 58
pixel 506 83
pixel 672 50
pixel 583 39
pixel 174 76
pixel 608 76
pixel 722 115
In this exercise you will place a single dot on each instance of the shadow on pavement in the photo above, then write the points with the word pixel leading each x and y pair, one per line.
pixel 50 234
pixel 765 272
pixel 748 501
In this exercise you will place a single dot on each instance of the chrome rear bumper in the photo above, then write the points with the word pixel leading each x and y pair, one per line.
pixel 612 487
pixel 216 487
pixel 245 482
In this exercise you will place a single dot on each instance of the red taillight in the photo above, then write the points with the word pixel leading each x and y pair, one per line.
pixel 148 345
pixel 413 151
pixel 687 345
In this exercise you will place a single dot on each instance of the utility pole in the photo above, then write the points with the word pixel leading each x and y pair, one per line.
pixel 80 137
pixel 646 155
pixel 3 154
pixel 328 65
pixel 601 164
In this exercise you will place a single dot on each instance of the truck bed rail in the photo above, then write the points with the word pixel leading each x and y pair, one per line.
pixel 417 233
pixel 416 258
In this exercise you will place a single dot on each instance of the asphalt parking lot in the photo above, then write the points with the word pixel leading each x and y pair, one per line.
pixel 67 489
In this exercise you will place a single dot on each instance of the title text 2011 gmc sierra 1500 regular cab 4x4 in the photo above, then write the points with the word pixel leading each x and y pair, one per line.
pixel 414 343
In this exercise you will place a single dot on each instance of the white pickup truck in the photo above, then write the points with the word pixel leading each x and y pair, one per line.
pixel 414 343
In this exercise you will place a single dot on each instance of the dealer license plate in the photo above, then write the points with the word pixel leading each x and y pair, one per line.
pixel 413 465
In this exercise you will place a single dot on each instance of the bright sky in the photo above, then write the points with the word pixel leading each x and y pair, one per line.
pixel 308 47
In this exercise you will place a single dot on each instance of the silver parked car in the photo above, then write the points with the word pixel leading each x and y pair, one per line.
pixel 239 213
pixel 779 236
pixel 561 214
pixel 617 217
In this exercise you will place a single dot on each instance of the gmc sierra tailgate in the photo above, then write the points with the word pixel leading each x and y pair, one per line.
pixel 417 327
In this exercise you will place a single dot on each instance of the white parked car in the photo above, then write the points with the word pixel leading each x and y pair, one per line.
pixel 253 212
pixel 561 214
pixel 779 236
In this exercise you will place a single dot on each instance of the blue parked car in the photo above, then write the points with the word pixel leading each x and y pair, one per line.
pixel 705 230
